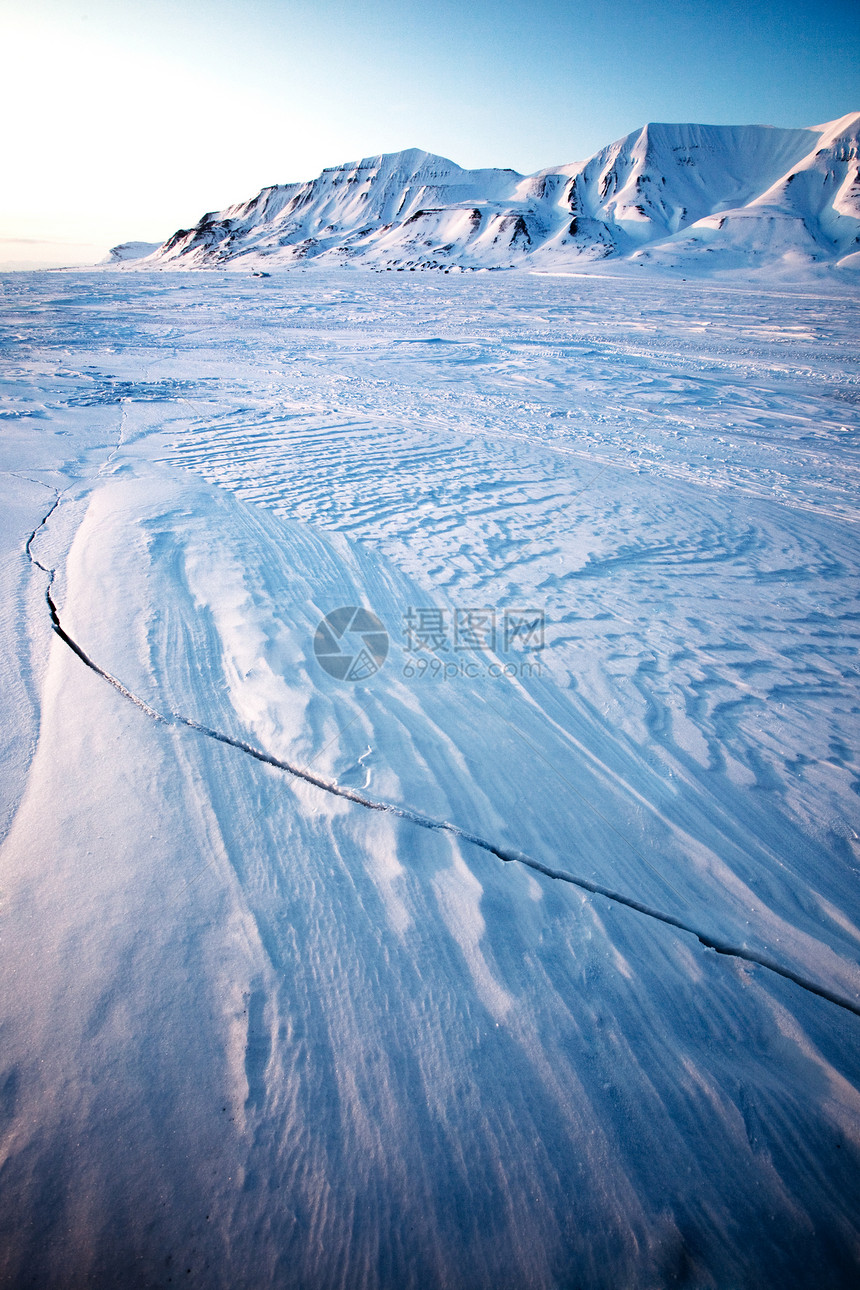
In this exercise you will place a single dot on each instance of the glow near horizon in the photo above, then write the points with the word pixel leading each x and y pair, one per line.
pixel 131 123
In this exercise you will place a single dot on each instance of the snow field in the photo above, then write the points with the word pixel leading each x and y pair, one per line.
pixel 259 1031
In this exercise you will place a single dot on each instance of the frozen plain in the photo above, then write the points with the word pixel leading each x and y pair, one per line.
pixel 253 1033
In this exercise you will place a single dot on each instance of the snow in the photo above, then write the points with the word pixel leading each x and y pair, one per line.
pixel 414 981
pixel 698 199
pixel 130 251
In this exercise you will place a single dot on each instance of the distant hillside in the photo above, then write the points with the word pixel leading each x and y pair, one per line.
pixel 682 196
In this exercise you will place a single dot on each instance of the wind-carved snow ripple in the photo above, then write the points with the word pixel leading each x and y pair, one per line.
pixel 392 484
pixel 416 817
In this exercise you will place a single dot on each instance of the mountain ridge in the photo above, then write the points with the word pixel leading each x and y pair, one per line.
pixel 673 195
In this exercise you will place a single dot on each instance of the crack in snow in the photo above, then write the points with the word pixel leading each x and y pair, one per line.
pixel 504 854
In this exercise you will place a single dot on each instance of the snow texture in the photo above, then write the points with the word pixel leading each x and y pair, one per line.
pixel 700 199
pixel 519 961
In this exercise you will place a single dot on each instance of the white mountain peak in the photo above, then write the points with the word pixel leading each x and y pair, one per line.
pixel 679 195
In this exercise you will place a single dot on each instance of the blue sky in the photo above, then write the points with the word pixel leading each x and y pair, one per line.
pixel 127 120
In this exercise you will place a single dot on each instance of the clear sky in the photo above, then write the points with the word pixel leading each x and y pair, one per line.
pixel 126 119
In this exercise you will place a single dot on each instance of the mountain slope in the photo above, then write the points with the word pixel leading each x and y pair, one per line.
pixel 675 194
pixel 348 210
pixel 810 212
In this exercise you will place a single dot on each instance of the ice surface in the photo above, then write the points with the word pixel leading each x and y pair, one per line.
pixel 255 1031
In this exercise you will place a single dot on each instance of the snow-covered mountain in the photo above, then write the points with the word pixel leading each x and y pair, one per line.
pixel 130 251
pixel 677 195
